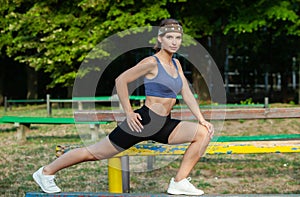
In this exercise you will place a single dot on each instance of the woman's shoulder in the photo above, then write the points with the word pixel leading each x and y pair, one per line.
pixel 177 62
pixel 150 60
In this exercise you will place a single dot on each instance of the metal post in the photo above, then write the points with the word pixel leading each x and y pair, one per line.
pixel 226 70
pixel 125 174
pixel 266 105
pixel 80 105
pixel 294 80
pixel 278 81
pixel 267 82
pixel 294 67
pixel 150 162
pixel 94 128
pixel 49 110
pixel 115 175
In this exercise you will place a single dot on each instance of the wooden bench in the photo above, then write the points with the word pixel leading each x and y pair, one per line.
pixel 219 145
pixel 23 123
pixel 118 167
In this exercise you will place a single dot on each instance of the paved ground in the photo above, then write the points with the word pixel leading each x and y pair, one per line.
pixel 86 194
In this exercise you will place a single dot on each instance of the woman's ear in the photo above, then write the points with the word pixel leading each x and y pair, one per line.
pixel 159 39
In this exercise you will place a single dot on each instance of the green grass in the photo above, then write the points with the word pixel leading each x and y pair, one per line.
pixel 216 174
pixel 36 110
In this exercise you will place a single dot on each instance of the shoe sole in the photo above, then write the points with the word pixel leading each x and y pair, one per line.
pixel 176 192
pixel 37 180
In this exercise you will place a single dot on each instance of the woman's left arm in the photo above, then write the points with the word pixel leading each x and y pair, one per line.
pixel 192 103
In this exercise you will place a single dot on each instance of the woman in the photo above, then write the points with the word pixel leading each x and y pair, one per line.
pixel 163 80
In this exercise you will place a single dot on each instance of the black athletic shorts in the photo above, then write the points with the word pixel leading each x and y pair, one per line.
pixel 157 128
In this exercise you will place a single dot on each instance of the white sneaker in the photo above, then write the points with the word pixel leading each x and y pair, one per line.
pixel 183 187
pixel 46 182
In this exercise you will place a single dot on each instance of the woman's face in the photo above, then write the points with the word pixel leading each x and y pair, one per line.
pixel 170 41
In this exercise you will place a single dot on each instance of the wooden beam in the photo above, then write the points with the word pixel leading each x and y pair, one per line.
pixel 144 149
pixel 214 148
pixel 212 114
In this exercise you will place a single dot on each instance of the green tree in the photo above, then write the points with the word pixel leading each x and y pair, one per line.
pixel 266 32
pixel 55 36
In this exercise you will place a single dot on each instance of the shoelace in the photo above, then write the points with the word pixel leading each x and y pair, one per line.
pixel 51 181
pixel 190 184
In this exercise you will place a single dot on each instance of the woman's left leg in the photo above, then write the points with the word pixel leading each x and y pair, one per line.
pixel 199 138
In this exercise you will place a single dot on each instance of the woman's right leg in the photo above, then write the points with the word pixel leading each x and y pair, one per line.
pixel 44 177
pixel 99 151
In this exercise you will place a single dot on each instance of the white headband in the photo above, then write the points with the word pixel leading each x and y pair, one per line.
pixel 170 28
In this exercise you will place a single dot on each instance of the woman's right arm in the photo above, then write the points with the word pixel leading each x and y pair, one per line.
pixel 146 66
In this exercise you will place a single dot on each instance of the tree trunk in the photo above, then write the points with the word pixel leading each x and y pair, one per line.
pixel 200 86
pixel 1 84
pixel 32 83
pixel 69 91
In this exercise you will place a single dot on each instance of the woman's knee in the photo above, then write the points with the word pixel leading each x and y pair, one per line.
pixel 88 156
pixel 102 150
pixel 202 134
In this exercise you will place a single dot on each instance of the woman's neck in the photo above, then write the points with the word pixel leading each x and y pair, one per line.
pixel 165 56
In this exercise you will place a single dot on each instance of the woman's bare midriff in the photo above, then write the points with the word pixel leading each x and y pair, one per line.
pixel 161 106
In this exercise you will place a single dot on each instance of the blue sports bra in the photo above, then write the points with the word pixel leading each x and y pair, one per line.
pixel 163 85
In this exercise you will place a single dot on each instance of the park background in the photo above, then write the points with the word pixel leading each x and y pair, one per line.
pixel 255 45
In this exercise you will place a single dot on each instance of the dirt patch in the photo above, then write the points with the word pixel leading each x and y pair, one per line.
pixel 260 127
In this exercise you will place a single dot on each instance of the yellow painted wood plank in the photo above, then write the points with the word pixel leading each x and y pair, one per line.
pixel 252 149
pixel 214 148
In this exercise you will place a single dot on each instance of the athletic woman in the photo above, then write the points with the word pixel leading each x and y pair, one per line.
pixel 163 80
